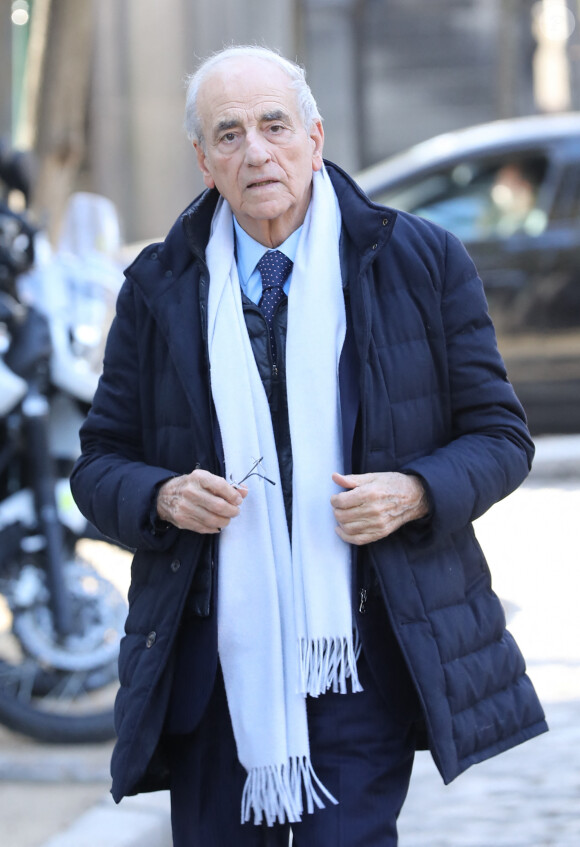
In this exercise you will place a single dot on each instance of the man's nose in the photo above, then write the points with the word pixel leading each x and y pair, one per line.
pixel 257 151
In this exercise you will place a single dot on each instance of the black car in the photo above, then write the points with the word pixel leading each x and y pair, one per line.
pixel 511 191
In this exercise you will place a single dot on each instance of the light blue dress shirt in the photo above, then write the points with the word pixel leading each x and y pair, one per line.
pixel 249 252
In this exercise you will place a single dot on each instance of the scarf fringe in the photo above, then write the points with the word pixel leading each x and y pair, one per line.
pixel 277 792
pixel 328 663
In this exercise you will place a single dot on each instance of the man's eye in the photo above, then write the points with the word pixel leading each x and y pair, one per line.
pixel 228 137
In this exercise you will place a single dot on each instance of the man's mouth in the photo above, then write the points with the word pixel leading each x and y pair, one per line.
pixel 260 183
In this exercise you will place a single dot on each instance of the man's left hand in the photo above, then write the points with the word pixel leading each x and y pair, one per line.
pixel 376 505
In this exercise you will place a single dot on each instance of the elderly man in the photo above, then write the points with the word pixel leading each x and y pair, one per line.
pixel 302 410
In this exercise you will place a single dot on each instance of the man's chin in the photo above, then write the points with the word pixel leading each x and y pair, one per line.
pixel 265 210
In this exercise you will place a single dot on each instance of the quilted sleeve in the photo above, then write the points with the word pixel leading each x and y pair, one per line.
pixel 490 451
pixel 112 485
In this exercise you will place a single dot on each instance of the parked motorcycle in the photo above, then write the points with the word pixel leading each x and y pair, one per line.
pixel 61 619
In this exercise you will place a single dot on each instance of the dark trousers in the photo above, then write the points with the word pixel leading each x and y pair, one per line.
pixel 361 745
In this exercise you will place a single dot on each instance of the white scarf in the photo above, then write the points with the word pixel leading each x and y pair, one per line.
pixel 285 625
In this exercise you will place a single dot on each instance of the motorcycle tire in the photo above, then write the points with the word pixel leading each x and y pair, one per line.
pixel 54 728
pixel 62 690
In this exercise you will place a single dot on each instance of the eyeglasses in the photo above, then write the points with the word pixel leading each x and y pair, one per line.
pixel 254 471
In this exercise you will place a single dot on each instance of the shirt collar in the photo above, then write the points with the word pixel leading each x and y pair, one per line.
pixel 249 251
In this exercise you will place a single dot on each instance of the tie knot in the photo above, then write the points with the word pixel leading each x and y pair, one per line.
pixel 274 268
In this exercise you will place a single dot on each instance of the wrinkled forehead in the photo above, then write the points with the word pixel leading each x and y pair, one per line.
pixel 247 85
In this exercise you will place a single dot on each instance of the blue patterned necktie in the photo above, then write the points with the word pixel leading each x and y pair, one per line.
pixel 274 269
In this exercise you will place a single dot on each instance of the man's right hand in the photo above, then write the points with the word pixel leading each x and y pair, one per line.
pixel 199 501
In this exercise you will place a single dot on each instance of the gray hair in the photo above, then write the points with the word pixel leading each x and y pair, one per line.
pixel 306 102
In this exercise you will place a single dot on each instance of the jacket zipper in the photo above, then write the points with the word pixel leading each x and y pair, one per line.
pixel 363 595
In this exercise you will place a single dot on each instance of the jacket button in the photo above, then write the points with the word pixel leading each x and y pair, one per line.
pixel 385 221
pixel 150 640
pixel 375 246
pixel 175 565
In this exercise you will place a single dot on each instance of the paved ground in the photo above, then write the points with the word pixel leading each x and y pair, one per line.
pixel 43 789
pixel 528 797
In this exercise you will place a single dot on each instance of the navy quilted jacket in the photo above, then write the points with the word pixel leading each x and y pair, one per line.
pixel 435 401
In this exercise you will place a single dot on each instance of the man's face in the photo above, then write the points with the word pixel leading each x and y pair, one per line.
pixel 257 152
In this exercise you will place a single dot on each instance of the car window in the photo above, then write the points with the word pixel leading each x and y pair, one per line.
pixel 479 200
pixel 567 197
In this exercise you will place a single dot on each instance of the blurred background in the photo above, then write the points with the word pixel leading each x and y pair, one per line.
pixel 92 92
pixel 96 88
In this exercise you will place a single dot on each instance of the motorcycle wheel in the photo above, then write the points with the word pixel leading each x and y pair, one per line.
pixel 63 690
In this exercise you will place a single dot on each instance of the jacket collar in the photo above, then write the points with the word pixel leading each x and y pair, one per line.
pixel 159 267
pixel 175 253
pixel 368 225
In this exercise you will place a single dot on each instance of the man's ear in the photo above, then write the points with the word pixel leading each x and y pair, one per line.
pixel 202 163
pixel 317 137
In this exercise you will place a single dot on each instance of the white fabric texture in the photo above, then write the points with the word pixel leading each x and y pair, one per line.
pixel 285 625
